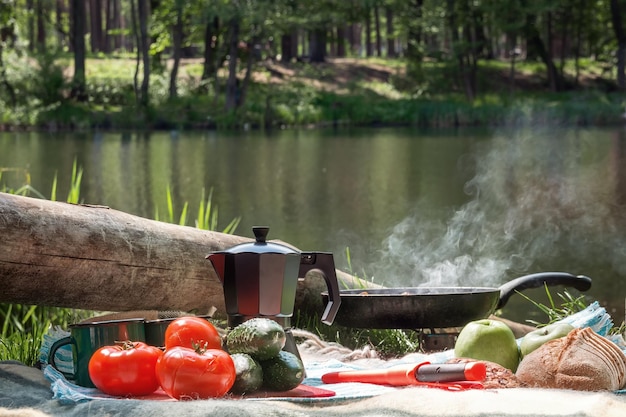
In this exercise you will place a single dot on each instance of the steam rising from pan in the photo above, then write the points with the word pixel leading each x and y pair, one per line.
pixel 538 201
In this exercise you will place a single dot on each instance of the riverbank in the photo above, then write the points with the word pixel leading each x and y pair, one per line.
pixel 341 92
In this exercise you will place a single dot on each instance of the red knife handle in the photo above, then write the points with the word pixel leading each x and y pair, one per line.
pixel 397 377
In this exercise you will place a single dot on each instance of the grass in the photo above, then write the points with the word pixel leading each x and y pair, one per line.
pixel 568 305
pixel 386 342
pixel 206 217
pixel 360 92
pixel 24 327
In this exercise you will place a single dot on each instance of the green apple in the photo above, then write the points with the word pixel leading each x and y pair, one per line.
pixel 536 338
pixel 488 340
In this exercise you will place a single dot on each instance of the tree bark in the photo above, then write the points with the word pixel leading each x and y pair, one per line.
pixel 379 47
pixel 96 258
pixel 119 41
pixel 464 55
pixel 341 41
pixel 209 65
pixel 536 44
pixel 97 35
pixel 391 39
pixel 177 37
pixel 41 26
pixel 415 31
pixel 133 13
pixel 252 56
pixel 232 85
pixel 143 15
pixel 78 42
pixel 59 12
pixel 30 24
pixel 318 45
pixel 286 47
pixel 620 35
pixel 108 25
pixel 368 34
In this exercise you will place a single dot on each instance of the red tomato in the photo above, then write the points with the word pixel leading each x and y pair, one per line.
pixel 192 332
pixel 126 369
pixel 186 373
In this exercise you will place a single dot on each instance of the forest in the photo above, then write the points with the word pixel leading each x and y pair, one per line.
pixel 177 64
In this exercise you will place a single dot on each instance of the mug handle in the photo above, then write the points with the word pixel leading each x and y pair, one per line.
pixel 53 350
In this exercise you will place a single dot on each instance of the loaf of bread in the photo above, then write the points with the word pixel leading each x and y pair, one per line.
pixel 582 360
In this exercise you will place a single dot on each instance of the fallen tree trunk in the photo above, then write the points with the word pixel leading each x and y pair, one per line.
pixel 97 258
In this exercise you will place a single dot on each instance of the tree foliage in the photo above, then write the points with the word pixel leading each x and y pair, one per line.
pixel 239 35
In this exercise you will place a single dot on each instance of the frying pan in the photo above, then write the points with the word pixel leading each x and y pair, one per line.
pixel 437 307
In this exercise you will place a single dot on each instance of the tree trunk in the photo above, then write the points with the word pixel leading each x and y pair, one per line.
pixel 294 43
pixel 30 24
pixel 480 41
pixel 59 12
pixel 415 31
pixel 350 39
pixel 536 44
pixel 252 56
pixel 564 41
pixel 177 37
pixel 318 45
pixel 463 53
pixel 580 15
pixel 96 258
pixel 232 85
pixel 143 14
pixel 41 26
pixel 620 35
pixel 368 34
pixel 286 48
pixel 108 25
pixel 341 41
pixel 391 39
pixel 78 41
pixel 379 48
pixel 95 15
pixel 211 30
pixel 512 48
pixel 119 41
pixel 133 14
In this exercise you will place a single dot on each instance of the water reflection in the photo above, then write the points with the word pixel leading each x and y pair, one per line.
pixel 414 207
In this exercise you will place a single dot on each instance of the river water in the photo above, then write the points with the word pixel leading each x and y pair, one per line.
pixel 471 207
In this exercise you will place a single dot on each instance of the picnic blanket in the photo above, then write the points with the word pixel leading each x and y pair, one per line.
pixel 27 391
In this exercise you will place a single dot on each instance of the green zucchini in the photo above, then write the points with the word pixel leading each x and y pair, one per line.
pixel 259 337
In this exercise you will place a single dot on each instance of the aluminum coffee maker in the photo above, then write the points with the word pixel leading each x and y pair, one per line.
pixel 260 280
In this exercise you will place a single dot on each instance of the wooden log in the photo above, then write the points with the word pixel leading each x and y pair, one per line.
pixel 97 258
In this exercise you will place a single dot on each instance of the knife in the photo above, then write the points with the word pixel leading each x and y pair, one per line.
pixel 425 373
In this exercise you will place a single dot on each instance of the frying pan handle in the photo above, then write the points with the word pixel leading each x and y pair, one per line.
pixel 323 263
pixel 580 282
